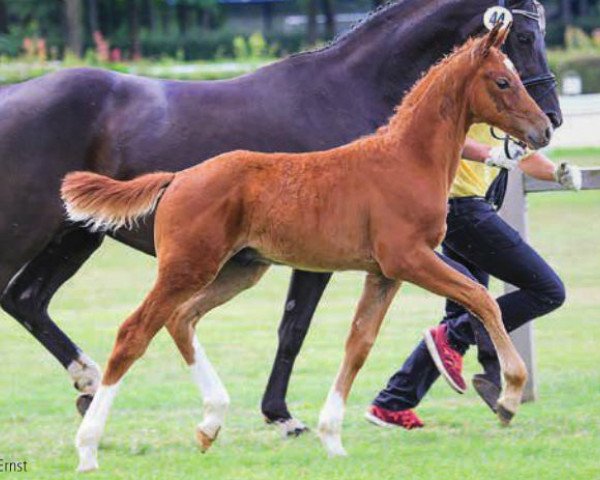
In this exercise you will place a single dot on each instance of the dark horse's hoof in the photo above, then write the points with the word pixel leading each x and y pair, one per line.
pixel 83 403
pixel 504 415
pixel 290 427
pixel 488 391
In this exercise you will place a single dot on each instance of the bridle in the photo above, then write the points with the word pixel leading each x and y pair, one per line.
pixel 539 17
pixel 544 78
pixel 497 190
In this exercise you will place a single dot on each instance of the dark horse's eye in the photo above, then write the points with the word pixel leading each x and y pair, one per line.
pixel 502 83
pixel 525 37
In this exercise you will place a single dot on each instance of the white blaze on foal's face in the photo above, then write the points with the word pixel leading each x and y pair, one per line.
pixel 510 65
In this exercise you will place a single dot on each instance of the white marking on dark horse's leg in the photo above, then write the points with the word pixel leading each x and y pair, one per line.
pixel 292 427
pixel 85 374
pixel 91 428
pixel 216 398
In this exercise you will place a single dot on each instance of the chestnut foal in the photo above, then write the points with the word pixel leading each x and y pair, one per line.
pixel 377 204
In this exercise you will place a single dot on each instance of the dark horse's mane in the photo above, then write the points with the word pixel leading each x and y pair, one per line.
pixel 371 15
pixel 374 14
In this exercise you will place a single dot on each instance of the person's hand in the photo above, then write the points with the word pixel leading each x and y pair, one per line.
pixel 498 158
pixel 569 176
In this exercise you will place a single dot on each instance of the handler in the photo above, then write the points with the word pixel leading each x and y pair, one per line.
pixel 478 242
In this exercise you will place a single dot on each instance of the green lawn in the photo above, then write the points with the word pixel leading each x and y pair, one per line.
pixel 151 431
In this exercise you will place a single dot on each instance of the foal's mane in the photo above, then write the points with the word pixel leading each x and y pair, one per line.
pixel 440 71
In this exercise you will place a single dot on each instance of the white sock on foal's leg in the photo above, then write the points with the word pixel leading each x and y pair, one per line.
pixel 330 424
pixel 91 428
pixel 216 399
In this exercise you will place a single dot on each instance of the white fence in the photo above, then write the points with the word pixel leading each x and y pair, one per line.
pixel 514 212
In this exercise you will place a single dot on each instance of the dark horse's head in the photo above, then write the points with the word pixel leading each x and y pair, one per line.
pixel 526 47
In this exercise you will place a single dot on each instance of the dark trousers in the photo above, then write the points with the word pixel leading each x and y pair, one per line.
pixel 479 243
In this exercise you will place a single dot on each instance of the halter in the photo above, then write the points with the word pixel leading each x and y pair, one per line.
pixel 541 79
pixel 497 190
pixel 540 17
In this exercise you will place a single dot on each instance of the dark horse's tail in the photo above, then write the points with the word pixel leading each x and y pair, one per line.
pixel 103 203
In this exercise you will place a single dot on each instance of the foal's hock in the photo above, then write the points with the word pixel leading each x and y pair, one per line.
pixel 377 204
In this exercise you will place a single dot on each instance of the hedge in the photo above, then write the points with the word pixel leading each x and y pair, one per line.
pixel 585 63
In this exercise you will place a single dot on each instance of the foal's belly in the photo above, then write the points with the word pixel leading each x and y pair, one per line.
pixel 321 264
pixel 316 253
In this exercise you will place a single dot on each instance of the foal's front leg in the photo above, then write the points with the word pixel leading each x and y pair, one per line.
pixel 431 273
pixel 378 293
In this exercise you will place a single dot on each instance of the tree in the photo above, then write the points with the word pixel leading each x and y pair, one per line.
pixel 93 15
pixel 3 17
pixel 311 22
pixel 72 9
pixel 183 12
pixel 327 7
pixel 133 14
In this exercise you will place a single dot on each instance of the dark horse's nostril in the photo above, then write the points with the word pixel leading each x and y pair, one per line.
pixel 548 133
pixel 555 118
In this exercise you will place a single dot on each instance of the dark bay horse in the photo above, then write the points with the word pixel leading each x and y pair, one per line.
pixel 377 205
pixel 123 126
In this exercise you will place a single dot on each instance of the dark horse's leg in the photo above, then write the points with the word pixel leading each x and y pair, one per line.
pixel 304 294
pixel 28 295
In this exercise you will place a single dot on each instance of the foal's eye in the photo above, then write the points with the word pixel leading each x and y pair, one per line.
pixel 502 83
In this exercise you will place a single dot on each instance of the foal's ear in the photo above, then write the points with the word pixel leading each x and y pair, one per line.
pixel 494 39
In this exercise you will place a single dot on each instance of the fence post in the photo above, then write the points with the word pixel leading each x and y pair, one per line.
pixel 514 212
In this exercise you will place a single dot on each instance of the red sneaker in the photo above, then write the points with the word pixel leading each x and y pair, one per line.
pixel 447 360
pixel 389 418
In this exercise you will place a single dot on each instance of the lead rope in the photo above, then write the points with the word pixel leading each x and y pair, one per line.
pixel 497 191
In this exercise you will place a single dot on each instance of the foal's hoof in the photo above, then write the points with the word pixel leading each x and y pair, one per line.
pixel 504 414
pixel 332 444
pixel 205 441
pixel 83 402
pixel 88 461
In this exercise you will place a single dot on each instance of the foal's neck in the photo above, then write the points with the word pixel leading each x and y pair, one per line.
pixel 432 124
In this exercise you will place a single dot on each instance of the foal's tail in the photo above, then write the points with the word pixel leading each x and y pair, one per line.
pixel 103 203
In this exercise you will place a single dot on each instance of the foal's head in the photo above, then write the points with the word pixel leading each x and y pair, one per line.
pixel 497 95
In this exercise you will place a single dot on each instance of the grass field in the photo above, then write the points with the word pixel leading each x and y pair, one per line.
pixel 151 431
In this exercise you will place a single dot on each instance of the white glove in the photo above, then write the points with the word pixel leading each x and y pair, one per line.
pixel 569 176
pixel 498 157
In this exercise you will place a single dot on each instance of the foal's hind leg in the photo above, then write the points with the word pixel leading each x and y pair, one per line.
pixel 173 287
pixel 232 279
pixel 431 273
pixel 377 295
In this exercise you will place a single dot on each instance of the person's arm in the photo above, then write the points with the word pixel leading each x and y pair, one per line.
pixel 475 151
pixel 537 165
pixel 493 156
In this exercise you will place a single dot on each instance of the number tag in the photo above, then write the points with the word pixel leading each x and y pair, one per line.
pixel 494 15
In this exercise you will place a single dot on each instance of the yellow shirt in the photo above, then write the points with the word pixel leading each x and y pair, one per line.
pixel 474 178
